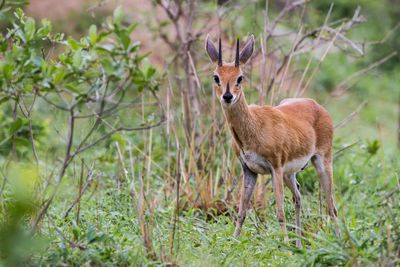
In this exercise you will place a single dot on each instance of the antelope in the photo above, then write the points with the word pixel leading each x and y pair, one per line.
pixel 279 140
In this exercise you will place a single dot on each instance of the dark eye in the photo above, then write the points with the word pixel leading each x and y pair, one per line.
pixel 216 79
pixel 239 80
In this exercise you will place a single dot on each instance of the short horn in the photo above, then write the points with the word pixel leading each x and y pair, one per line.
pixel 237 53
pixel 219 53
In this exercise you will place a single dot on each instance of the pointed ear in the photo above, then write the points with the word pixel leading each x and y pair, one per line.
pixel 211 50
pixel 247 50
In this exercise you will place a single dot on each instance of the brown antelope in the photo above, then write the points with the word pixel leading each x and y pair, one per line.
pixel 273 140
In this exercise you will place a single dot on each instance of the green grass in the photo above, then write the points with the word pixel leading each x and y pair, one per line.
pixel 108 233
pixel 113 224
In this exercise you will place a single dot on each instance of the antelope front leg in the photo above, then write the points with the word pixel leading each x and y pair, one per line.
pixel 291 182
pixel 279 198
pixel 249 181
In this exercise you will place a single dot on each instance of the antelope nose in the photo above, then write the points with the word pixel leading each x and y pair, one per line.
pixel 227 97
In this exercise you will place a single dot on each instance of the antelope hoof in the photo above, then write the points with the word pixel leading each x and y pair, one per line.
pixel 299 245
pixel 237 233
pixel 338 233
pixel 286 238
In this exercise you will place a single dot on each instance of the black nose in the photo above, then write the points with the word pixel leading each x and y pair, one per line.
pixel 227 97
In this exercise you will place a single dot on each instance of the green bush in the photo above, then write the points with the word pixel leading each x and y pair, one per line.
pixel 86 92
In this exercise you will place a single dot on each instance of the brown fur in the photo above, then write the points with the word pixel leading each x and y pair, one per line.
pixel 295 129
pixel 280 134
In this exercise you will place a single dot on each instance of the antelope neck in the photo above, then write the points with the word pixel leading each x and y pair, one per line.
pixel 241 121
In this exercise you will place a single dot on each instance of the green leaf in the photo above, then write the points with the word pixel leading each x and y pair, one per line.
pixel 77 59
pixel 105 47
pixel 3 44
pixel 20 34
pixel 37 61
pixel 22 142
pixel 44 66
pixel 107 66
pixel 132 27
pixel 28 87
pixel 29 29
pixel 117 137
pixel 4 99
pixel 7 71
pixel 93 34
pixel 118 15
pixel 45 29
pixel 91 234
pixel 19 13
pixel 75 232
pixel 124 38
pixel 58 75
pixel 74 44
pixel 16 125
pixel 150 72
pixel 73 86
pixel 102 35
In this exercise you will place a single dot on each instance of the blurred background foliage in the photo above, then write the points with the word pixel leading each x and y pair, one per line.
pixel 105 194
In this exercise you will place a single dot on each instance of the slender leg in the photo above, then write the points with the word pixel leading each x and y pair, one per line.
pixel 277 179
pixel 249 181
pixel 291 182
pixel 323 165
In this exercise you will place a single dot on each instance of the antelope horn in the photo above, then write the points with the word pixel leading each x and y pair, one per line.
pixel 237 53
pixel 219 53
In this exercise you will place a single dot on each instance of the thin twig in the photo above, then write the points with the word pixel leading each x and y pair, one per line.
pixel 349 117
pixel 303 76
pixel 119 129
pixel 28 115
pixel 177 184
pixel 341 88
pixel 340 151
pixel 82 190
pixel 60 232
pixel 66 162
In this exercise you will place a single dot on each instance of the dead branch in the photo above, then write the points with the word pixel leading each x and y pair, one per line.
pixel 288 7
pixel 119 129
pixel 62 235
pixel 27 113
pixel 98 5
pixel 340 151
pixel 176 213
pixel 81 192
pixel 3 184
pixel 341 88
pixel 66 162
pixel 349 117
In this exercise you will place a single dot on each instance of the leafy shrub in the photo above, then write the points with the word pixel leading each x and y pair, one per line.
pixel 90 78
pixel 86 92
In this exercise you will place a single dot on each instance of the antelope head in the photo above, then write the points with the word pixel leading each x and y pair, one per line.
pixel 228 77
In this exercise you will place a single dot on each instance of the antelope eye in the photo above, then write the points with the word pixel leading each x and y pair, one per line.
pixel 239 80
pixel 216 79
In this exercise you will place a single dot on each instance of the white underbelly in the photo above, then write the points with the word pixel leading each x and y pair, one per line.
pixel 255 162
pixel 296 164
pixel 260 165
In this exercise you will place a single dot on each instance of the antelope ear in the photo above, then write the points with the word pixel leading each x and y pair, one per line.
pixel 247 50
pixel 211 50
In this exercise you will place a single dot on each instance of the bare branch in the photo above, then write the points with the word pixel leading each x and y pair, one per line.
pixel 60 232
pixel 340 151
pixel 27 115
pixel 119 129
pixel 341 88
pixel 289 7
pixel 346 120
pixel 52 103
pixel 81 192
pixel 66 162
